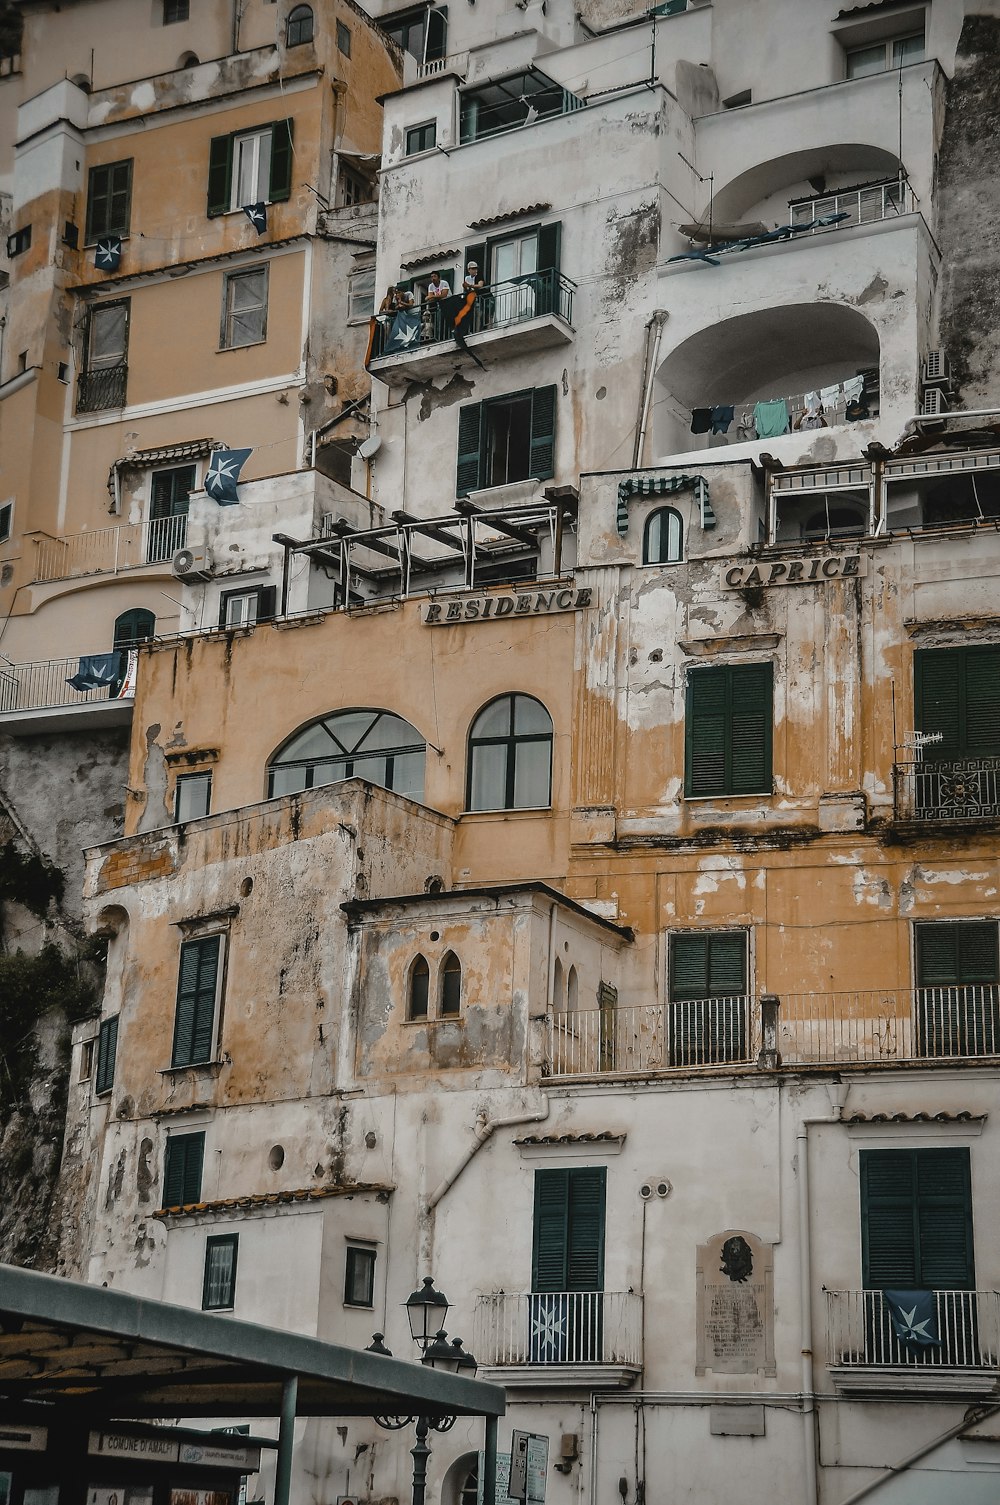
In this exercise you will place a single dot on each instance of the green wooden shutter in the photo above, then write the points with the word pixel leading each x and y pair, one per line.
pixel 476 253
pixel 888 1235
pixel 196 990
pixel 568 1236
pixel 727 730
pixel 982 701
pixel 550 1236
pixel 182 1170
pixel 706 732
pixel 97 202
pixel 549 244
pixel 107 1047
pixel 937 955
pixel 951 953
pixel 119 197
pixel 220 175
pixel 470 448
pixel 937 697
pixel 688 967
pixel 944 1220
pixel 543 433
pixel 281 161
pixel 712 964
pixel 916 1219
pixel 751 717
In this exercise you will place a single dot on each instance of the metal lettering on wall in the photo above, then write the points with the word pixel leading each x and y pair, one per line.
pixel 808 571
pixel 485 608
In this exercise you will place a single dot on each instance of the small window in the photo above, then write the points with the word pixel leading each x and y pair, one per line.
pixel 359 1276
pixel 135 626
pixel 728 730
pixel 708 1016
pixel 421 32
pixel 244 315
pixel 246 608
pixel 299 28
pixel 353 188
pixel 895 52
pixel 182 1168
pixel 107 1046
pixel 192 796
pixel 418 991
pixel 19 241
pixel 86 1060
pixel 169 492
pixel 6 520
pixel 510 756
pixel 199 976
pixel 109 199
pixel 557 987
pixel 343 39
pixel 175 10
pixel 361 294
pixel 421 138
pixel 248 167
pixel 662 541
pixel 104 378
pixel 451 986
pixel 219 1289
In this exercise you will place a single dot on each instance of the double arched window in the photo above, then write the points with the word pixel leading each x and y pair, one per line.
pixel 299 26
pixel 449 988
pixel 510 756
pixel 362 744
pixel 663 538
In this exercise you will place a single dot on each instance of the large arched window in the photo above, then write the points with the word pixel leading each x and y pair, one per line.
pixel 373 745
pixel 133 627
pixel 510 756
pixel 451 986
pixel 662 542
pixel 299 27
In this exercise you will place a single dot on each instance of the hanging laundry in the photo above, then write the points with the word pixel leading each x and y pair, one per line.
pixel 223 473
pixel 830 397
pixel 771 418
pixel 257 215
pixel 811 402
pixel 854 388
pixel 744 423
pixel 108 253
pixel 722 417
pixel 857 409
pixel 701 420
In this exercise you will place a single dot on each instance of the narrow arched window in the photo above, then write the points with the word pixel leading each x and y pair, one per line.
pixel 663 539
pixel 299 27
pixel 572 991
pixel 420 976
pixel 510 756
pixel 451 986
pixel 133 627
pixel 557 987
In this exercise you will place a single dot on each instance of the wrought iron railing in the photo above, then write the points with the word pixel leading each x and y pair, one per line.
pixel 497 307
pixel 862 206
pixel 106 551
pixel 103 388
pixel 45 685
pixel 948 789
pixel 861 1334
pixel 655 1037
pixel 559 1327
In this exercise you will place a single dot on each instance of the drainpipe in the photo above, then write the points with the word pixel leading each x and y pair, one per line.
pixel 659 319
pixel 913 425
pixel 810 1494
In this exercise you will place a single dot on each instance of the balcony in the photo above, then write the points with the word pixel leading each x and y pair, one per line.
pixel 591 1338
pixel 108 551
pixel 866 1028
pixel 529 313
pixel 956 789
pixel 865 1356
pixel 38 697
pixel 104 388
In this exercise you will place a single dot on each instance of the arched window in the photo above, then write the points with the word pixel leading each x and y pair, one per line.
pixel 510 756
pixel 557 987
pixel 299 27
pixel 451 986
pixel 417 992
pixel 663 539
pixel 572 991
pixel 133 627
pixel 373 745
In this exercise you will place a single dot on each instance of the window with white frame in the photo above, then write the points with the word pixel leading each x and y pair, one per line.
pixel 244 308
pixel 192 795
pixel 361 294
pixel 359 1275
pixel 879 57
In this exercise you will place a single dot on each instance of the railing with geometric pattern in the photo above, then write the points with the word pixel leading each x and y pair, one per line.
pixel 559 1327
pixel 860 1333
pixel 103 388
pixel 106 551
pixel 948 789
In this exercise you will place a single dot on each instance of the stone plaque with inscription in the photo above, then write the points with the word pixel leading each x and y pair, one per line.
pixel 735 1305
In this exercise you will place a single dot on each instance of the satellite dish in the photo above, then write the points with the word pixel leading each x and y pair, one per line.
pixel 370 447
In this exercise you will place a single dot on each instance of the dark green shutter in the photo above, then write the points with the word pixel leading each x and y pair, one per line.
pixel 119 197
pixel 728 730
pixel 568 1232
pixel 107 1047
pixel 220 174
pixel 957 693
pixel 543 433
pixel 916 1219
pixel 706 732
pixel 982 701
pixel 470 448
pixel 97 202
pixel 196 991
pixel 281 161
pixel 951 953
pixel 267 602
pixel 549 241
pixel 477 254
pixel 182 1170
pixel 708 965
pixel 750 735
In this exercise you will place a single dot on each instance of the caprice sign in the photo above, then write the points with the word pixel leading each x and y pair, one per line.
pixel 524 604
pixel 813 570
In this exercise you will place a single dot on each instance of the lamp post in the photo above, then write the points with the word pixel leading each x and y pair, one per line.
pixel 426 1309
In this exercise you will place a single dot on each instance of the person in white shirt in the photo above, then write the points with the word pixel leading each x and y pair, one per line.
pixel 437 289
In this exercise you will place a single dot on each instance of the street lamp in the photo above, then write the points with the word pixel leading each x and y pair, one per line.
pixel 426 1309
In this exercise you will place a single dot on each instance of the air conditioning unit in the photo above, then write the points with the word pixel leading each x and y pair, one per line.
pixel 191 564
pixel 934 403
pixel 937 369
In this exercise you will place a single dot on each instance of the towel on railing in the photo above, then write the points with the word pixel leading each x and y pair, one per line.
pixel 913 1315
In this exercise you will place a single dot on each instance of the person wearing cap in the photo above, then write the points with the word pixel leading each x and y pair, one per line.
pixel 472 280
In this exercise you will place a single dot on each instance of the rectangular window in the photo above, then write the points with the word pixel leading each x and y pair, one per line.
pixel 249 166
pixel 957 988
pixel 359 1277
pixel 421 138
pixel 916 1220
pixel 169 493
pixel 104 377
pixel 506 103
pixel 6 520
pixel 353 188
pixel 175 10
pixel 708 1015
pixel 244 309
pixel 506 439
pixel 423 33
pixel 728 730
pixel 361 294
pixel 19 241
pixel 343 39
pixel 895 52
pixel 192 796
pixel 247 607
pixel 86 1060
pixel 182 1167
pixel 109 200
pixel 957 694
pixel 566 1307
pixel 219 1289
pixel 197 997
pixel 107 1048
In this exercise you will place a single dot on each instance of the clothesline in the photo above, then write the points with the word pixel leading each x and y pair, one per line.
pixel 772 416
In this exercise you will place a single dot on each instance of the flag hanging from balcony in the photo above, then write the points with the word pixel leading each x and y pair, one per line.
pixel 549 1315
pixel 223 473
pixel 458 312
pixel 404 332
pixel 257 215
pixel 108 253
pixel 99 671
pixel 914 1317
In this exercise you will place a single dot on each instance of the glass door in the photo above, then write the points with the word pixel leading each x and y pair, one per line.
pixel 515 263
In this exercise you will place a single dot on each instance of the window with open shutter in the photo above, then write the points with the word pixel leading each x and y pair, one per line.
pixel 916 1220
pixel 543 433
pixel 281 161
pixel 197 990
pixel 185 1157
pixel 728 730
pixel 220 173
pixel 957 694
pixel 470 422
pixel 568 1236
pixel 107 1049
pixel 957 995
pixel 708 1014
pixel 109 197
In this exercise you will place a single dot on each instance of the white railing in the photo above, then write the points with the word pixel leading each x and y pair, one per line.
pixel 455 62
pixel 655 1037
pixel 45 684
pixel 106 551
pixel 862 206
pixel 860 1333
pixel 559 1327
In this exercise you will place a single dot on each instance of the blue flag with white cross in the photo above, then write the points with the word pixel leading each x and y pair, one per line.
pixel 108 253
pixel 223 473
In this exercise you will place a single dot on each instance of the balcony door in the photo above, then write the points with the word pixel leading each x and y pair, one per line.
pixel 566 1306
pixel 170 491
pixel 957 996
pixel 515 262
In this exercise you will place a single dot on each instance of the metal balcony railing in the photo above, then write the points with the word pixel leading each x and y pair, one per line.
pixel 107 551
pixel 862 206
pixel 497 307
pixel 559 1327
pixel 45 685
pixel 655 1037
pixel 952 789
pixel 860 1334
pixel 103 388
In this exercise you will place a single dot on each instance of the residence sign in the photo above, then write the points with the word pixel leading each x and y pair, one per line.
pixel 520 604
pixel 815 569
